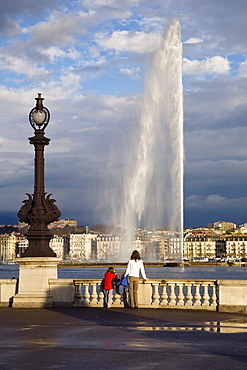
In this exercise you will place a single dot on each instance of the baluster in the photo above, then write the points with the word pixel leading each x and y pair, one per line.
pixel 156 295
pixel 188 295
pixel 116 302
pixel 78 294
pixel 206 296
pixel 172 295
pixel 180 294
pixel 101 298
pixel 86 295
pixel 164 296
pixel 197 295
pixel 213 297
pixel 94 294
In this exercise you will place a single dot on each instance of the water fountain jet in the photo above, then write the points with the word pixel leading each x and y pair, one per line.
pixel 153 187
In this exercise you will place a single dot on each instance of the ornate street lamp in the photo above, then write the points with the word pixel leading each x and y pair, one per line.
pixel 39 210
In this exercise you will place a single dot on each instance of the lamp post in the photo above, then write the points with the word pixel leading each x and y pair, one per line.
pixel 39 210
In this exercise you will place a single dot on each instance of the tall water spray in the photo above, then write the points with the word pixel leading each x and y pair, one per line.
pixel 153 188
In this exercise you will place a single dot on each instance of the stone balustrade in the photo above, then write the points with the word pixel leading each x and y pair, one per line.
pixel 8 288
pixel 210 295
pixel 199 294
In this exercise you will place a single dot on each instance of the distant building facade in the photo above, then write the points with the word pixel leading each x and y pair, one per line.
pixel 224 241
pixel 225 226
pixel 107 247
pixel 79 246
pixel 58 246
pixel 8 244
pixel 22 245
pixel 60 224
pixel 199 246
pixel 236 246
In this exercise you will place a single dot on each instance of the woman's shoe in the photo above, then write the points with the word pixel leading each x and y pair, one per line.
pixel 136 307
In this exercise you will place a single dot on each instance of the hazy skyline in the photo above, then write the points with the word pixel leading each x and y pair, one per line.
pixel 89 60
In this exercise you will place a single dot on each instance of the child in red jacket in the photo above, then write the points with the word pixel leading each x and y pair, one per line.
pixel 110 275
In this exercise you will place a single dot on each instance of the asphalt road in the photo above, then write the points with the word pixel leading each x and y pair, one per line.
pixel 98 338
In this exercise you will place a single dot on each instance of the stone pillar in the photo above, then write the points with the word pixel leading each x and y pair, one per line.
pixel 144 293
pixel 232 296
pixel 33 289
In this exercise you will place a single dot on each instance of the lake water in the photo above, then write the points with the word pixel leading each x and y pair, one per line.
pixel 204 272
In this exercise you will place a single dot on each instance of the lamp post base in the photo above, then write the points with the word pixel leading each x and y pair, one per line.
pixel 34 289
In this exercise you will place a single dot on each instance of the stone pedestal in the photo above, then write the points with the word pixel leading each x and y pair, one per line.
pixel 233 296
pixel 34 274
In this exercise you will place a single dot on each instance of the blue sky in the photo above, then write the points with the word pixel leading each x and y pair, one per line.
pixel 89 60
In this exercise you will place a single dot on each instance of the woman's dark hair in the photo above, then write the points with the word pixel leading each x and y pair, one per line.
pixel 111 269
pixel 135 255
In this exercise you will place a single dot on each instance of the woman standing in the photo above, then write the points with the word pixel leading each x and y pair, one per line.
pixel 135 265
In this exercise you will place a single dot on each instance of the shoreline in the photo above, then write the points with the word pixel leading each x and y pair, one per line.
pixel 151 264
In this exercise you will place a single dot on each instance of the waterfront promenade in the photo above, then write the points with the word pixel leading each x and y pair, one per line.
pixel 98 338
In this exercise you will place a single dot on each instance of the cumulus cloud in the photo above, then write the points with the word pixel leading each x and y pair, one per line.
pixel 127 41
pixel 60 30
pixel 13 11
pixel 21 65
pixel 8 27
pixel 215 65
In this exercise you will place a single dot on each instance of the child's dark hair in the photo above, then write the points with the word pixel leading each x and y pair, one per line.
pixel 111 269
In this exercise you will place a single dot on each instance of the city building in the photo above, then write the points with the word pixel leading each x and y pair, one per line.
pixel 107 247
pixel 58 246
pixel 60 224
pixel 224 226
pixel 8 243
pixel 242 229
pixel 153 245
pixel 236 246
pixel 79 246
pixel 221 251
pixel 21 246
pixel 199 246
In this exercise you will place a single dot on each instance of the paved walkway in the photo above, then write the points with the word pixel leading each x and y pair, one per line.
pixel 145 339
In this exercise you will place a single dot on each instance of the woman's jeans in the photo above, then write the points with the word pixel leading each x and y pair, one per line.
pixel 133 291
pixel 108 297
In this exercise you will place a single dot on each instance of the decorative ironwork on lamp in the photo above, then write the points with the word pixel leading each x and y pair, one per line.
pixel 39 210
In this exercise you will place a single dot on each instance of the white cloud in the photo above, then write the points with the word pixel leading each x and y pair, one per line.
pixel 131 72
pixel 214 65
pixel 69 80
pixel 128 41
pixel 214 202
pixel 21 65
pixel 54 52
pixel 243 69
pixel 193 40
pixel 102 3
pixel 60 30
pixel 12 146
pixel 152 23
